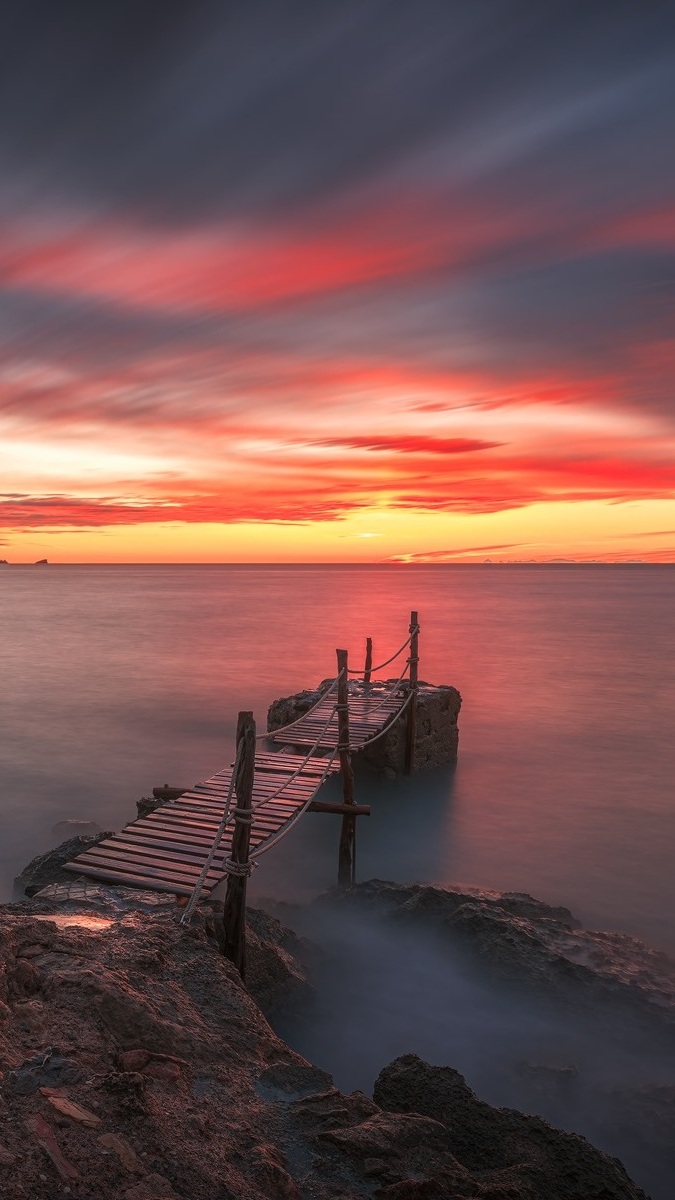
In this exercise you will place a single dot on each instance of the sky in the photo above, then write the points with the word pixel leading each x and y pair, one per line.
pixel 365 282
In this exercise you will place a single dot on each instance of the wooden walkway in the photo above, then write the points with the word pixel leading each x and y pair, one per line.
pixel 166 850
pixel 169 849
pixel 369 712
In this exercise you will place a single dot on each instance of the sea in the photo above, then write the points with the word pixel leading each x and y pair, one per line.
pixel 116 679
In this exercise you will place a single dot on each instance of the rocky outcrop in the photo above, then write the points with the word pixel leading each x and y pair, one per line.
pixel 437 734
pixel 525 942
pixel 48 868
pixel 136 1066
pixel 510 1153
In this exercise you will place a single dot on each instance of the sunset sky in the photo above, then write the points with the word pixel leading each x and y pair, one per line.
pixel 364 281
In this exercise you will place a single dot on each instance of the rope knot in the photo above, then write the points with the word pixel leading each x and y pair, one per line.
pixel 240 870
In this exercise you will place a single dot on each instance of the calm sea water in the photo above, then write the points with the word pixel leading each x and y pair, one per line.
pixel 115 679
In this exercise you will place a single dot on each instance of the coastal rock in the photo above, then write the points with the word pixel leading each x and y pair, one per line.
pixel 48 868
pixel 524 942
pixel 437 734
pixel 275 974
pixel 76 826
pixel 513 1154
pixel 189 1093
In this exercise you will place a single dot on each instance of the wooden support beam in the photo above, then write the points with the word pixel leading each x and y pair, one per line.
pixel 355 810
pixel 233 930
pixel 411 724
pixel 168 793
pixel 347 851
pixel 369 661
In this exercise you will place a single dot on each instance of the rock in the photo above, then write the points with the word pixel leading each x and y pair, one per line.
pixel 47 868
pixel 526 943
pixel 232 1110
pixel 437 734
pixel 76 827
pixel 148 804
pixel 134 1060
pixel 505 1147
pixel 46 1069
pixel 153 1187
pixel 78 894
pixel 125 1153
pixel 275 976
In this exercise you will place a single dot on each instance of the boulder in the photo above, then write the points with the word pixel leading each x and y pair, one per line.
pixel 512 1154
pixel 48 868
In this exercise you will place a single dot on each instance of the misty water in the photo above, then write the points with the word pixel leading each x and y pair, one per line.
pixel 116 679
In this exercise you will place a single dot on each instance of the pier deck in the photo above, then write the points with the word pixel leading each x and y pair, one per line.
pixel 166 850
pixel 188 844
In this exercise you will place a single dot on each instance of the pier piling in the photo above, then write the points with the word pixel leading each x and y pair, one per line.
pixel 411 726
pixel 238 866
pixel 347 851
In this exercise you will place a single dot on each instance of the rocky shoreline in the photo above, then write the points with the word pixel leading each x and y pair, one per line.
pixel 137 1066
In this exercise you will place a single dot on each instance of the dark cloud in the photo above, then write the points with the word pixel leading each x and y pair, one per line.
pixel 179 110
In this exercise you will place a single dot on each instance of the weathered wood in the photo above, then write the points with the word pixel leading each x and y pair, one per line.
pixel 165 850
pixel 234 912
pixel 411 724
pixel 369 661
pixel 346 854
pixel 355 810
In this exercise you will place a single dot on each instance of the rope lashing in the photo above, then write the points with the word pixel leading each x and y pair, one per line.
pixel 243 815
pixel 381 666
pixel 240 870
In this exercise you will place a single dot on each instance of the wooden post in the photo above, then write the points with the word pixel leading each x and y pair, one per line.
pixel 234 914
pixel 346 857
pixel 411 726
pixel 369 660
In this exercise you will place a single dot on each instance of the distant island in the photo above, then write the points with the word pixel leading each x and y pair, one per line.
pixel 41 562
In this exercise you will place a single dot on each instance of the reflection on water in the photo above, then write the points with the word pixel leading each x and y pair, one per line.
pixel 116 679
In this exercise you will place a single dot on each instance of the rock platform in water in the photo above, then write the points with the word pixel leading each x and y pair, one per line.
pixel 437 733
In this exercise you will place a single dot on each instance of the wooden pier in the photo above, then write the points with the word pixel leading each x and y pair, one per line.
pixel 217 830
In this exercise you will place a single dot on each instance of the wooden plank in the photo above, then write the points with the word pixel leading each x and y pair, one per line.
pixel 215 809
pixel 147 869
pixel 131 850
pixel 166 841
pixel 160 868
pixel 299 788
pixel 202 835
pixel 180 847
pixel 200 830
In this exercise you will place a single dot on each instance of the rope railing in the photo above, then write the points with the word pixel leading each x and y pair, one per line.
pixel 340 709
pixel 261 737
pixel 387 727
pixel 194 898
pixel 228 817
pixel 304 762
pixel 255 854
pixel 382 665
pixel 391 691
